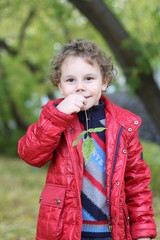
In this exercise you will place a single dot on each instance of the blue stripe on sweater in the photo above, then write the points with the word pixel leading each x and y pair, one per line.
pixel 95 228
pixel 87 216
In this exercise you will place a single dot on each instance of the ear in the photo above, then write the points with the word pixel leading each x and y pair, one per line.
pixel 60 88
pixel 104 84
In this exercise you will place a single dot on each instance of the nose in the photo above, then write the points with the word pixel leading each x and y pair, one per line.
pixel 79 86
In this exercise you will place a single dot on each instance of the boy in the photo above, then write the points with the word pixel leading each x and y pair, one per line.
pixel 108 198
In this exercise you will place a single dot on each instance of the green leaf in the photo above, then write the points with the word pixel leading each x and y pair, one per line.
pixel 87 148
pixel 75 142
pixel 99 129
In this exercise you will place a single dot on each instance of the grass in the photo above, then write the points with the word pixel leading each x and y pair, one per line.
pixel 21 186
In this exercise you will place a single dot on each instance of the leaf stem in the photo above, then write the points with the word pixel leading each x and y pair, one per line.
pixel 86 121
pixel 86 117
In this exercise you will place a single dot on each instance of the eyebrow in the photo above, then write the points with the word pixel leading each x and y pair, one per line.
pixel 86 75
pixel 68 76
pixel 90 74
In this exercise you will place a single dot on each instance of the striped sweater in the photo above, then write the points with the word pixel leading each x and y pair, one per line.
pixel 93 195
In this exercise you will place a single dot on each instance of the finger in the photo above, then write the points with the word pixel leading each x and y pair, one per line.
pixel 79 104
pixel 77 109
pixel 85 101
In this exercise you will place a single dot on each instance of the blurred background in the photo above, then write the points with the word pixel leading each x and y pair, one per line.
pixel 31 34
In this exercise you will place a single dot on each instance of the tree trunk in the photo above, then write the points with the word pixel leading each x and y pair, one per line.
pixel 115 34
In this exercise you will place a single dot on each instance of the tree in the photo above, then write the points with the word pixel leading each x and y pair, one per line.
pixel 132 60
pixel 29 31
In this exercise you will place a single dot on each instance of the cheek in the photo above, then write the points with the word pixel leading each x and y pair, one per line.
pixel 96 90
pixel 67 91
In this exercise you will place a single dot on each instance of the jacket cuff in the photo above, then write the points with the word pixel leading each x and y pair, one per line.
pixel 148 231
pixel 55 116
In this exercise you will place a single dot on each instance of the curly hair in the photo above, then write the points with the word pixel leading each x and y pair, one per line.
pixel 88 50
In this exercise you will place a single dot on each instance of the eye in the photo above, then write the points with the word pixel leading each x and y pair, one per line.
pixel 70 80
pixel 89 78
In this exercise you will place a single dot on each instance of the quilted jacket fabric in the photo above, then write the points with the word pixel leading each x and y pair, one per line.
pixel 129 199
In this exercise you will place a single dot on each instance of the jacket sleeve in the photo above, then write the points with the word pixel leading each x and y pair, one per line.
pixel 138 194
pixel 42 138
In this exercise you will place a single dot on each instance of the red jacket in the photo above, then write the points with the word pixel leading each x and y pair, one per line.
pixel 128 197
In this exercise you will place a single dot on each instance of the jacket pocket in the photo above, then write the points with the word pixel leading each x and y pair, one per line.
pixel 50 221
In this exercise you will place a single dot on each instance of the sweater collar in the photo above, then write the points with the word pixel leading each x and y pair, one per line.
pixel 96 112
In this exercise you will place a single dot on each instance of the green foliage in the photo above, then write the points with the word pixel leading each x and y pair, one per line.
pixel 142 20
pixel 8 142
pixel 152 157
pixel 75 142
pixel 87 148
pixel 99 129
pixel 32 32
pixel 88 145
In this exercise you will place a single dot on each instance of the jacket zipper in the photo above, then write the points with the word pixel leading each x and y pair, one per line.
pixel 114 163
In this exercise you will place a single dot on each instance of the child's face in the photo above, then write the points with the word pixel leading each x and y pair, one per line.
pixel 80 77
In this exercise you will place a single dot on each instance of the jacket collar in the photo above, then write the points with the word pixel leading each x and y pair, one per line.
pixel 125 118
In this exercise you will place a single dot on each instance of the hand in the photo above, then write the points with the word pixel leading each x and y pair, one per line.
pixel 72 103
